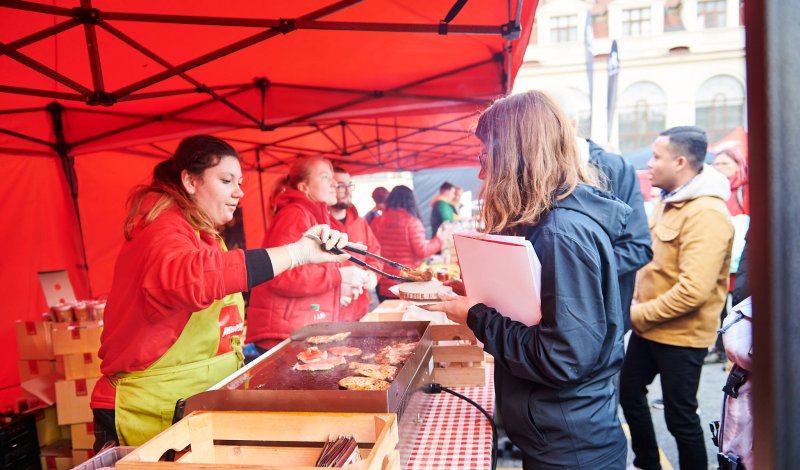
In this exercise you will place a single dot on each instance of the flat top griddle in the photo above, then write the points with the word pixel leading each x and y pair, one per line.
pixel 276 373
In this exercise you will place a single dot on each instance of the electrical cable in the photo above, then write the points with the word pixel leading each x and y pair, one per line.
pixel 438 388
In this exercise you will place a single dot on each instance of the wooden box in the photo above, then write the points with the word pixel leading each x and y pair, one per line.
pixel 82 435
pixel 72 401
pixel 458 360
pixel 81 366
pixel 34 340
pixel 76 337
pixel 32 368
pixel 275 440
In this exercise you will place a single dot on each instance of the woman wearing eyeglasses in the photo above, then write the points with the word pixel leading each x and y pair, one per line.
pixel 283 306
pixel 554 380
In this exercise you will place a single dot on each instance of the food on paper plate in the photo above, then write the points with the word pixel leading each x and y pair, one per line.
pixel 364 383
pixel 325 339
pixel 416 275
pixel 345 351
pixel 395 354
pixel 325 364
pixel 376 371
pixel 422 290
pixel 311 355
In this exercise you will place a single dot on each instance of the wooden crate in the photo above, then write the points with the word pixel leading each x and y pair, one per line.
pixel 458 360
pixel 275 440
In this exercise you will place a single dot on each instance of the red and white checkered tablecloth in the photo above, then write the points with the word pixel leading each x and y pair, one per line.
pixel 457 436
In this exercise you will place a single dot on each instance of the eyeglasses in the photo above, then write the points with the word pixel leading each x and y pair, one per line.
pixel 482 158
pixel 342 186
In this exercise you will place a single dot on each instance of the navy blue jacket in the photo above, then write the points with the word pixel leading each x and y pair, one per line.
pixel 633 248
pixel 554 381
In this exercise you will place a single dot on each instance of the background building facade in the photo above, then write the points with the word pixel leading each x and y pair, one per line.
pixel 681 62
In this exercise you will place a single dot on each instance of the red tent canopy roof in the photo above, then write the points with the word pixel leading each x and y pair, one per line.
pixel 134 73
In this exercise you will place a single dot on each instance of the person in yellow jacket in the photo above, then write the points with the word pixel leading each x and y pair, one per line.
pixel 679 296
pixel 174 316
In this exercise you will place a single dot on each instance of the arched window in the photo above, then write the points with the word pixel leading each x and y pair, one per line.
pixel 642 115
pixel 720 106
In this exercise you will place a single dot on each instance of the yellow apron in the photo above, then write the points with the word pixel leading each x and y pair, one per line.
pixel 207 350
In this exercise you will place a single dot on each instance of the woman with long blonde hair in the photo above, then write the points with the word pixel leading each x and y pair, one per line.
pixel 554 379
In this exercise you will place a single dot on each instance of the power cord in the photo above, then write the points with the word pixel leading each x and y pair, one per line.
pixel 438 388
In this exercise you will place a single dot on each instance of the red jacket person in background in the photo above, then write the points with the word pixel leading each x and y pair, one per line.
pixel 344 218
pixel 402 235
pixel 174 314
pixel 284 305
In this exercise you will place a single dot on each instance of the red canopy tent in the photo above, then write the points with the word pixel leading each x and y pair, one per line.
pixel 98 92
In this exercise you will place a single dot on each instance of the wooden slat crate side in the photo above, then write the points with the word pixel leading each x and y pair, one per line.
pixel 452 332
pixel 465 353
pixel 291 426
pixel 201 428
pixel 460 376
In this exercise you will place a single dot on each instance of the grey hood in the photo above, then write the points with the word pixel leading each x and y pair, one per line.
pixel 709 182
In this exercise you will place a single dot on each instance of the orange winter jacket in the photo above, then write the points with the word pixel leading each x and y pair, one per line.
pixel 682 291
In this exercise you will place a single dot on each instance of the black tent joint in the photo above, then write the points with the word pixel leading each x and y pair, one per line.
pixel 378 93
pixel 262 83
pixel 510 31
pixel 286 25
pixel 101 98
pixel 443 27
pixel 87 15
pixel 203 88
pixel 266 128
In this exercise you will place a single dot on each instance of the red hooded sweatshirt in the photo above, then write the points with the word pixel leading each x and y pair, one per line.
pixel 281 306
pixel 163 274
pixel 358 231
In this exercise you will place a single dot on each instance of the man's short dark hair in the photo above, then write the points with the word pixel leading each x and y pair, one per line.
pixel 338 169
pixel 380 194
pixel 689 141
pixel 445 187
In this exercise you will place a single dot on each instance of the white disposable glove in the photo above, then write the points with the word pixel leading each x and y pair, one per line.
pixel 353 276
pixel 351 291
pixel 308 251
pixel 345 301
pixel 372 280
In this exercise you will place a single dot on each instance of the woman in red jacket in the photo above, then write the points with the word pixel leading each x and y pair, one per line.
pixel 731 162
pixel 402 236
pixel 174 314
pixel 284 305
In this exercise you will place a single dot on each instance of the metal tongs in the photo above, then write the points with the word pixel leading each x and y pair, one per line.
pixel 361 263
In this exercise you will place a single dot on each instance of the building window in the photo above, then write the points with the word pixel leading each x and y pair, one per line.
pixel 711 13
pixel 642 116
pixel 636 21
pixel 720 106
pixel 564 28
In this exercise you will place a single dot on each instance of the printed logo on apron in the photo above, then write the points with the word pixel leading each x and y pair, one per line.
pixel 230 324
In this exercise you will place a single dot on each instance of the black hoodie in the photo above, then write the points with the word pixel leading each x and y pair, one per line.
pixel 554 381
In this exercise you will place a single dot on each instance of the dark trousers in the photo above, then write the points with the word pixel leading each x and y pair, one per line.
pixel 105 429
pixel 680 369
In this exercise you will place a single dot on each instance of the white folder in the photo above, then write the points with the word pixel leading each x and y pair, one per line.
pixel 502 272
